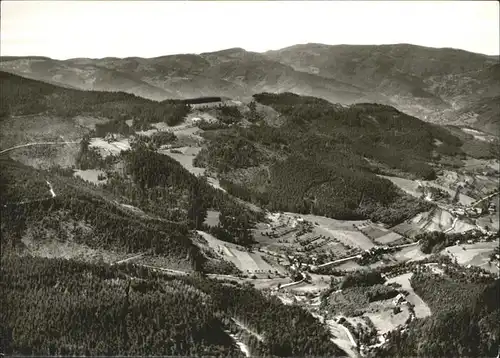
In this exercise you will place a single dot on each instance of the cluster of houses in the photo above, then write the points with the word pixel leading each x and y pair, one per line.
pixel 473 212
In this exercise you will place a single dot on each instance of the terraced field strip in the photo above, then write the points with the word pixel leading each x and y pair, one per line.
pixel 263 265
pixel 351 238
pixel 388 238
pixel 245 261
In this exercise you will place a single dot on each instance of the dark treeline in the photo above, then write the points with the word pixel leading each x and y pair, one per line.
pixel 200 100
pixel 71 308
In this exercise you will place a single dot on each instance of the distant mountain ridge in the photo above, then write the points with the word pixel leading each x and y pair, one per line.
pixel 438 85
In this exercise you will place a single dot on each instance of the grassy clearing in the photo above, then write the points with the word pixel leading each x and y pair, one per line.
pixel 341 338
pixel 90 175
pixel 185 156
pixel 373 231
pixel 110 148
pixel 410 253
pixel 212 218
pixel 435 220
pixel 242 259
pixel 386 320
pixel 473 254
pixel 407 185
pixel 343 230
pixel 388 238
pixel 349 266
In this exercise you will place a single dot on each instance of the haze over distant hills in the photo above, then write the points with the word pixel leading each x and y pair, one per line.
pixel 438 85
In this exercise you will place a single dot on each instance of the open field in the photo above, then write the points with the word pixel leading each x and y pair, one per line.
pixel 407 185
pixel 341 338
pixel 317 284
pixel 212 218
pixel 490 221
pixel 388 238
pixel 342 230
pixel 411 187
pixel 421 308
pixel 378 233
pixel 185 156
pixel 434 220
pixel 479 135
pixel 349 266
pixel 473 254
pixel 481 164
pixel 90 175
pixel 461 226
pixel 407 229
pixel 110 148
pixel 385 320
pixel 242 259
pixel 89 122
pixel 372 230
pixel 410 253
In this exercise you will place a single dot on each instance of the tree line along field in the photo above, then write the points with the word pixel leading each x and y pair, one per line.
pixel 249 263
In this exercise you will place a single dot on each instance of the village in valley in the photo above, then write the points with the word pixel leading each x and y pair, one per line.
pixel 302 259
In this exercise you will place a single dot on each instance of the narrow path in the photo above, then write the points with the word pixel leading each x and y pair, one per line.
pixel 340 260
pixel 245 328
pixel 349 334
pixel 127 259
pixel 38 143
pixel 242 346
pixel 51 189
pixel 455 219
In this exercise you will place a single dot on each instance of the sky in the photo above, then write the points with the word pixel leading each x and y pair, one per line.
pixel 95 29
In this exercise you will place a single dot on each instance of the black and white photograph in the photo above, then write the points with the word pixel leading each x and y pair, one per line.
pixel 249 179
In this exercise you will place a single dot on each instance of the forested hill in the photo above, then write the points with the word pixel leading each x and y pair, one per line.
pixel 319 157
pixel 63 307
pixel 377 132
pixel 22 96
pixel 83 214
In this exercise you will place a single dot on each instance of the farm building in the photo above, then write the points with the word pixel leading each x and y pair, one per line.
pixel 399 299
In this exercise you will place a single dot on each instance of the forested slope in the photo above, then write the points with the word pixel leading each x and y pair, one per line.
pixel 22 96
pixel 324 158
pixel 59 307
